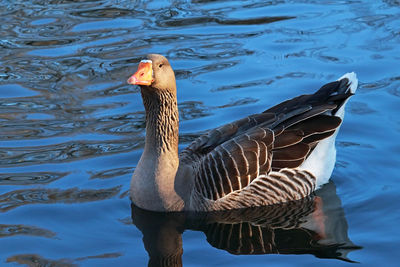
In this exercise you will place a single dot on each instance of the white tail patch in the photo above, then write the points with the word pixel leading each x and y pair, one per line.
pixel 352 80
pixel 322 160
pixel 353 87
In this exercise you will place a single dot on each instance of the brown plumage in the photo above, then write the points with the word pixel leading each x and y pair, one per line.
pixel 253 161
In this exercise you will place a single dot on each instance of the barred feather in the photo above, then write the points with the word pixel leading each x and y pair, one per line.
pixel 255 161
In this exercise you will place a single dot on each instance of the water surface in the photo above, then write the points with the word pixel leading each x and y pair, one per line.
pixel 72 130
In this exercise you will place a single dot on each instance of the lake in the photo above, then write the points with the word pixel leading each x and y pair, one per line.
pixel 72 129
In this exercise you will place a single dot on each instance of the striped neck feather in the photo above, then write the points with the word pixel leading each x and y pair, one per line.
pixel 162 120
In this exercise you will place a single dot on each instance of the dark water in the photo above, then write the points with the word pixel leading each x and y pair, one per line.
pixel 71 129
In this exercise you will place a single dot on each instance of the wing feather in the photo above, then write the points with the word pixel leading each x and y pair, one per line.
pixel 242 159
pixel 231 159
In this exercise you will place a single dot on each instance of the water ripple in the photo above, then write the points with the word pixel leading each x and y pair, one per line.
pixel 100 256
pixel 183 22
pixel 30 178
pixel 108 12
pixel 37 260
pixel 18 198
pixel 239 102
pixel 111 173
pixel 263 82
pixel 64 152
pixel 193 109
pixel 121 124
pixel 7 230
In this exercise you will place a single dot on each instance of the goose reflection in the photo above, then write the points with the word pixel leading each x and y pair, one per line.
pixel 314 225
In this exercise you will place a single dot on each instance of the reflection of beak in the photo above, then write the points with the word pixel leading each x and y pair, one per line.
pixel 144 74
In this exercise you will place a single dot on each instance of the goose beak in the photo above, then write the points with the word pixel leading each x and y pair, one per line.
pixel 144 74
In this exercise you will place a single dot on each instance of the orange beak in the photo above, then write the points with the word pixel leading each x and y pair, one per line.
pixel 144 74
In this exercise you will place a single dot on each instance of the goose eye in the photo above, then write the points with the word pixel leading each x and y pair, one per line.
pixel 160 65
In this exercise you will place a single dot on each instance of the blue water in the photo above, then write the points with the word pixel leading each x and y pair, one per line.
pixel 72 130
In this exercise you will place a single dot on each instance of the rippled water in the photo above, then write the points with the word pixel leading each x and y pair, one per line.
pixel 72 130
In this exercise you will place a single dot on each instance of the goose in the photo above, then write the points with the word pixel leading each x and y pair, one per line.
pixel 279 155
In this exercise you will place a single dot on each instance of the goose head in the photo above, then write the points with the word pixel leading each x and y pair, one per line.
pixel 154 73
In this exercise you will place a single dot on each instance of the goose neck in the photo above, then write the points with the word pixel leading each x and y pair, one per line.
pixel 162 121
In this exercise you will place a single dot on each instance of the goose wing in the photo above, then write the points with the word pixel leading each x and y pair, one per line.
pixel 228 159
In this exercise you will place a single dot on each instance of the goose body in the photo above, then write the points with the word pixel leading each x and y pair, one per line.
pixel 279 155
